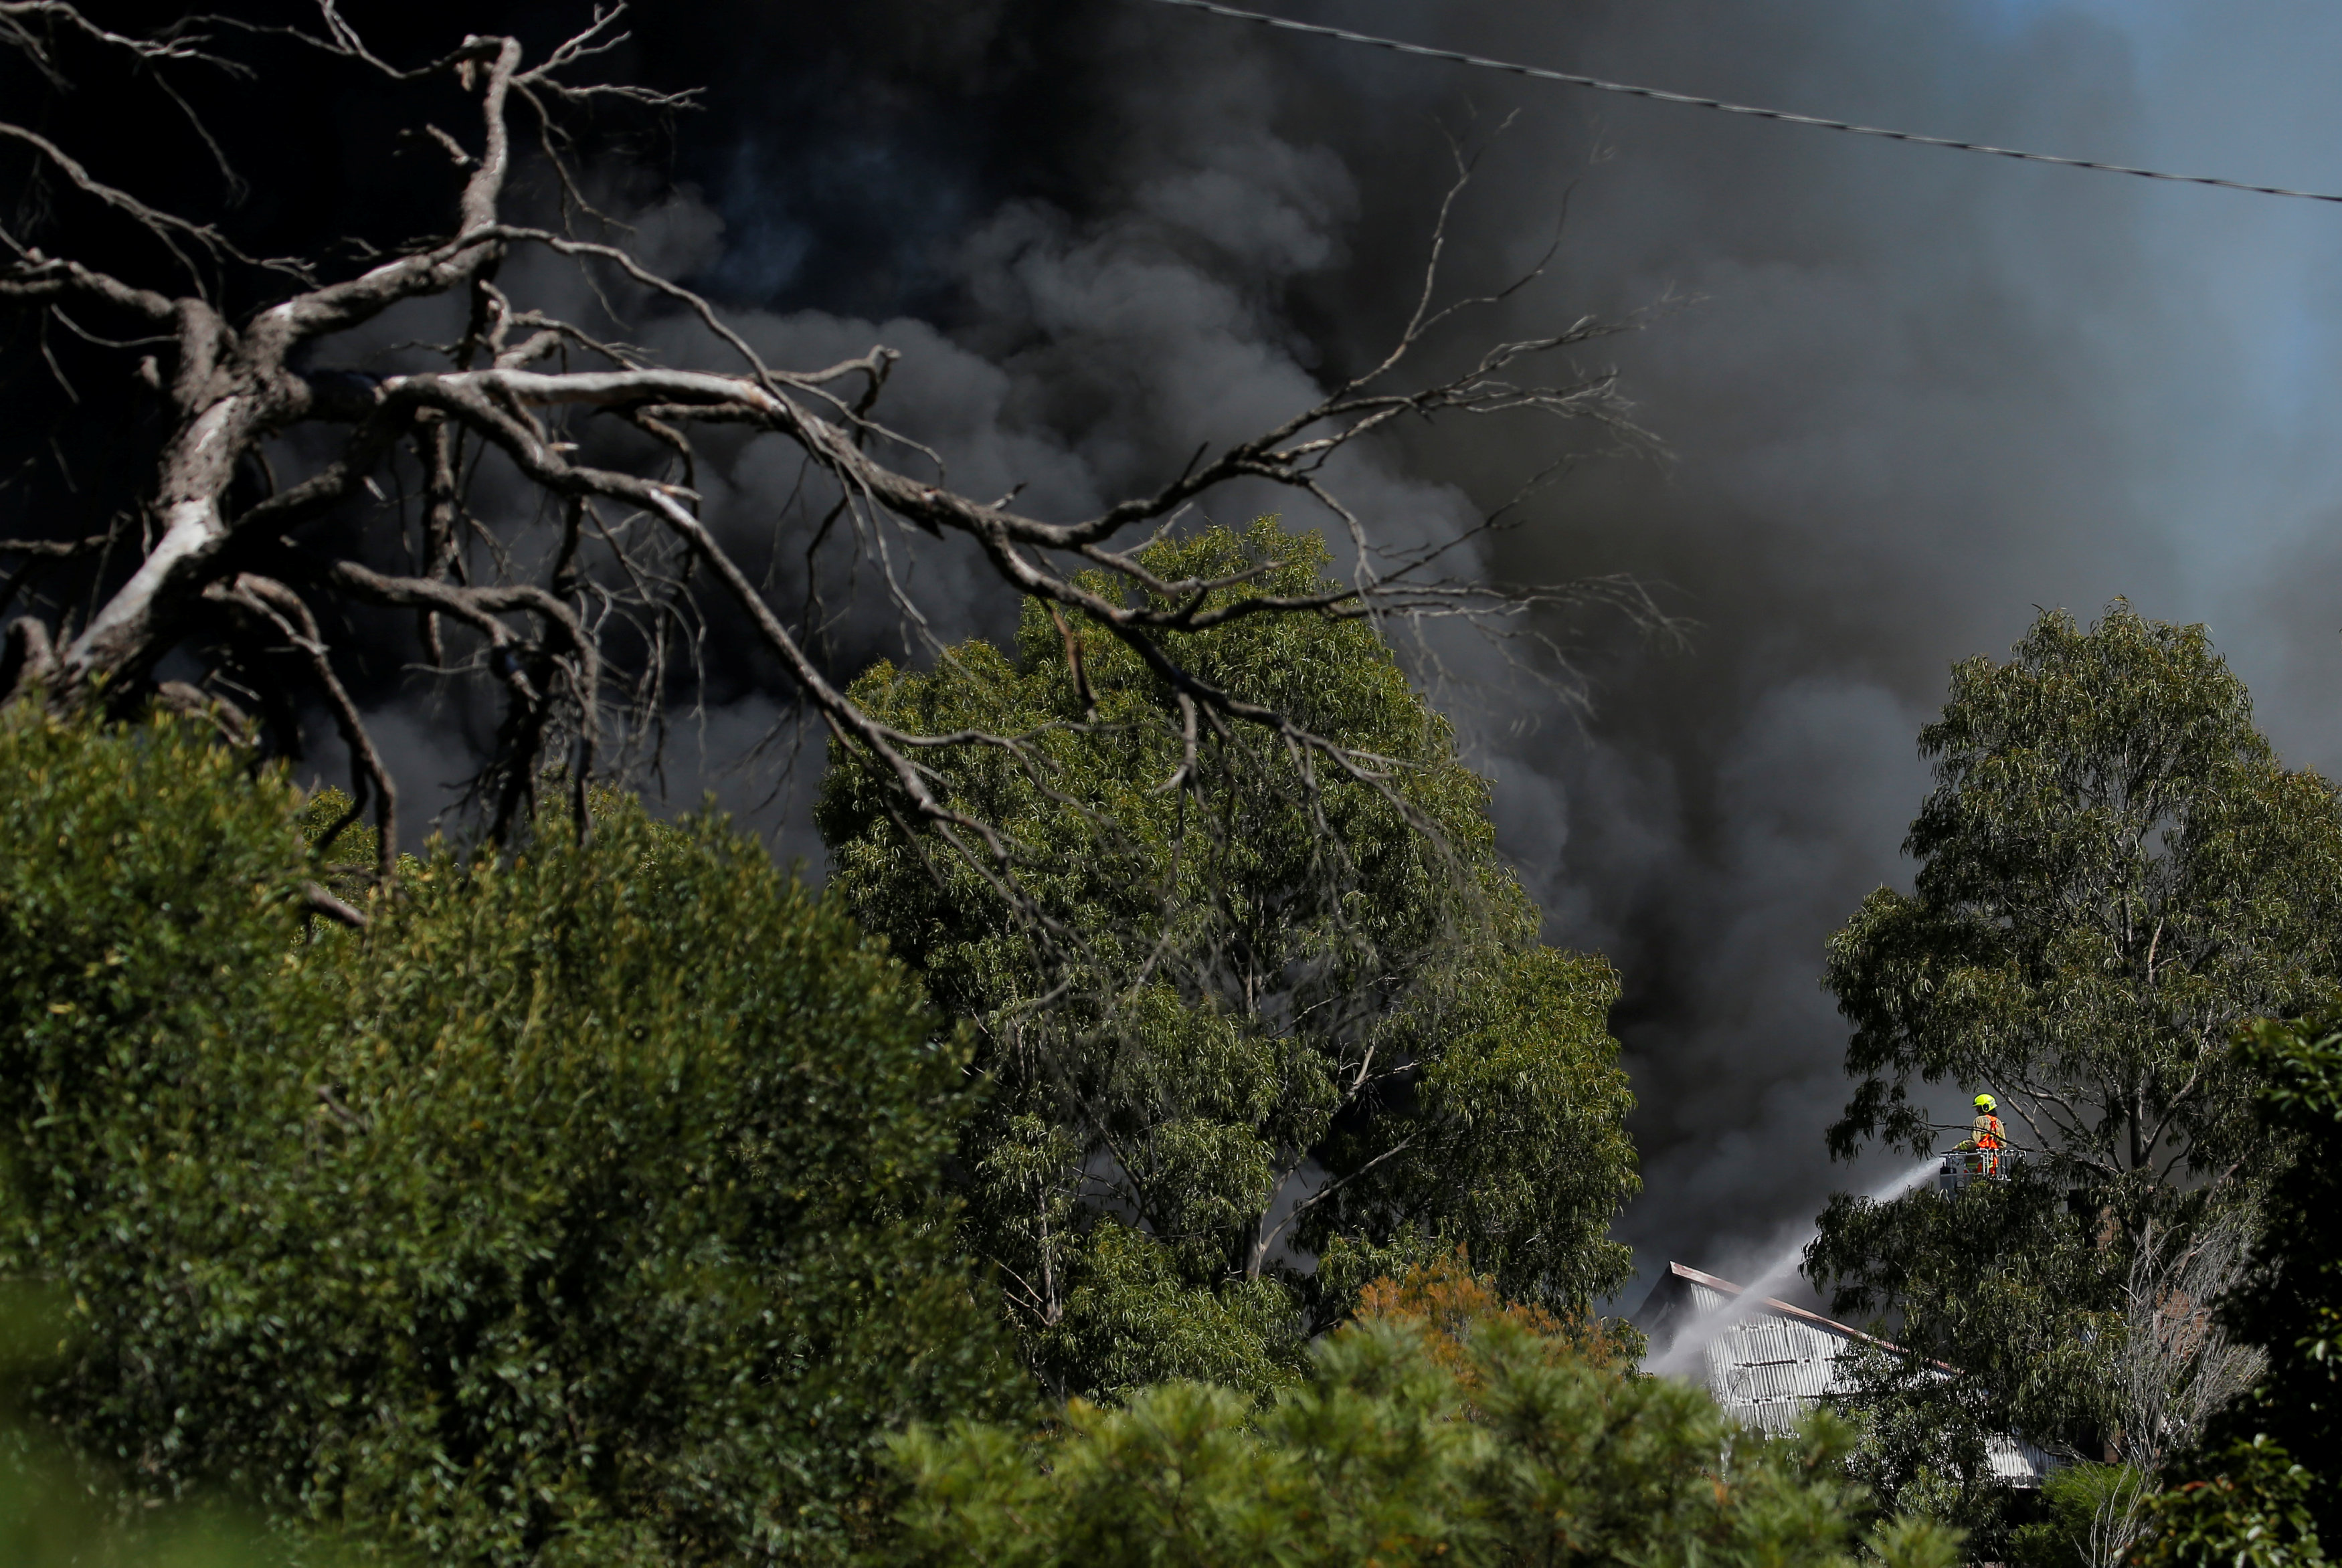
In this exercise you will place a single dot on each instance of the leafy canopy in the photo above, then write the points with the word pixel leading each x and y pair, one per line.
pixel 2083 1507
pixel 2264 1487
pixel 1440 1435
pixel 1219 966
pixel 584 1208
pixel 53 1517
pixel 2114 872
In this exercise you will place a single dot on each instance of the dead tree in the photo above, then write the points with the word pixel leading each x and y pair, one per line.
pixel 575 614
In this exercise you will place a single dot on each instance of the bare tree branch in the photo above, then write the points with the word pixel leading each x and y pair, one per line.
pixel 590 619
pixel 283 608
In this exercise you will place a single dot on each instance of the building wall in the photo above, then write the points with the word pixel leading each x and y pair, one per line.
pixel 1767 1372
pixel 1769 1368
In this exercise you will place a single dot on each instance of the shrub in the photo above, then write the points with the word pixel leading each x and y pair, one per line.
pixel 1437 1431
pixel 584 1208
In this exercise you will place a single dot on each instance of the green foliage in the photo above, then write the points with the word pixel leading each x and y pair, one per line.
pixel 354 845
pixel 1923 1443
pixel 2114 872
pixel 2086 1509
pixel 2266 1487
pixel 46 1522
pixel 1222 969
pixel 584 1208
pixel 2255 1508
pixel 2001 1280
pixel 2291 1302
pixel 1515 1143
pixel 1130 1321
pixel 55 1509
pixel 1390 1455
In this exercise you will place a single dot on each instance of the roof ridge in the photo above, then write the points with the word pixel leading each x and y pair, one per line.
pixel 1715 1282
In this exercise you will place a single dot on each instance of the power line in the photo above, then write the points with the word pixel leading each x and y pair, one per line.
pixel 1659 94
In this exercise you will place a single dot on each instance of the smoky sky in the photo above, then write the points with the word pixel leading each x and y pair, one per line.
pixel 1909 398
pixel 1918 396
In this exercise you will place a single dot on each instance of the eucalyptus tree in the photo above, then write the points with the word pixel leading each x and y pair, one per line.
pixel 1242 1004
pixel 2114 872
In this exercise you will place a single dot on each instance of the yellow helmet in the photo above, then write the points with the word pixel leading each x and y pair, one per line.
pixel 1987 1102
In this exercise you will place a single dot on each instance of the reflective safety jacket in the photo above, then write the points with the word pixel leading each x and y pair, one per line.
pixel 1985 1130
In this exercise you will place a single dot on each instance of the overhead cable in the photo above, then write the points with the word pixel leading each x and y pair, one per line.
pixel 1661 96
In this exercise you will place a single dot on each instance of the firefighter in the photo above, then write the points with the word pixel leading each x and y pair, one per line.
pixel 1986 1137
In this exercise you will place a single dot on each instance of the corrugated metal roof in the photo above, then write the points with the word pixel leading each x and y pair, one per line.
pixel 1778 1360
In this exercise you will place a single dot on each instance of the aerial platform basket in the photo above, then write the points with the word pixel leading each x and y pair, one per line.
pixel 1958 1169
